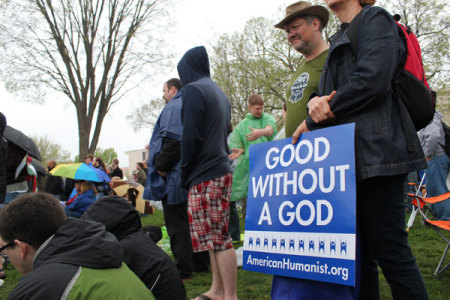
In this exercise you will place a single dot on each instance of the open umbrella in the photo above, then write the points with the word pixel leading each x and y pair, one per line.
pixel 39 167
pixel 16 137
pixel 80 171
pixel 120 187
pixel 33 167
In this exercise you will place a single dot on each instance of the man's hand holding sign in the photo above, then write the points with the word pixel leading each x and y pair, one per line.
pixel 301 207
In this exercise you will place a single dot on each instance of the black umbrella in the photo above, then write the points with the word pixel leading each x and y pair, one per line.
pixel 39 167
pixel 15 136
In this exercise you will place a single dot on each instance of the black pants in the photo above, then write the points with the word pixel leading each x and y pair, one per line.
pixel 177 224
pixel 234 225
pixel 384 241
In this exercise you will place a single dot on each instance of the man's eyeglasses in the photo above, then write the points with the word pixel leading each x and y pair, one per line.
pixel 288 29
pixel 2 249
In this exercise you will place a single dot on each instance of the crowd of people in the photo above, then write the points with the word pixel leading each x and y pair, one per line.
pixel 198 167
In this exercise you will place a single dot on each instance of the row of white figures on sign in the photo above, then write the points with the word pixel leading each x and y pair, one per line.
pixel 333 247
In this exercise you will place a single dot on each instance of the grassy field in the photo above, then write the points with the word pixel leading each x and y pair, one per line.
pixel 426 244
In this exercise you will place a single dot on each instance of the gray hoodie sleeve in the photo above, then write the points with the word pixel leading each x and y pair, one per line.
pixel 431 137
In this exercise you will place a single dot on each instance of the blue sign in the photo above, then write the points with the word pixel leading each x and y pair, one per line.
pixel 301 209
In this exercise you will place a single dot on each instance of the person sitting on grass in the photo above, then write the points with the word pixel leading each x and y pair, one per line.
pixel 149 262
pixel 63 258
pixel 82 201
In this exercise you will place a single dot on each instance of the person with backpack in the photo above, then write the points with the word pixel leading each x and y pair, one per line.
pixel 432 139
pixel 356 87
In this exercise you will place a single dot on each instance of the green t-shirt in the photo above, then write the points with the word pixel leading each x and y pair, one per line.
pixel 304 82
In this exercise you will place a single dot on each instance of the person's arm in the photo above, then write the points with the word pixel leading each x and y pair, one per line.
pixel 193 131
pixel 236 152
pixel 236 142
pixel 257 133
pixel 376 64
pixel 169 155
pixel 429 139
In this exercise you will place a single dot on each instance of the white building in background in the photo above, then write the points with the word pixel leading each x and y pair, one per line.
pixel 134 156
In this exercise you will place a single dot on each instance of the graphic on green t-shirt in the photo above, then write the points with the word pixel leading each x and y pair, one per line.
pixel 298 87
pixel 304 82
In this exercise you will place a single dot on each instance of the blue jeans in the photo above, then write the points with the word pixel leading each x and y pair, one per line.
pixel 437 173
pixel 12 195
pixel 384 241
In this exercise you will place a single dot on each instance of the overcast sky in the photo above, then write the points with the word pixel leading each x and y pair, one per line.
pixel 199 22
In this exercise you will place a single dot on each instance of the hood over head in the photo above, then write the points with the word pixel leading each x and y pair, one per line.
pixel 193 65
pixel 83 243
pixel 116 213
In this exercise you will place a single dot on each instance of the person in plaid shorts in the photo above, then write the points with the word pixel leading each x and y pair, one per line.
pixel 206 171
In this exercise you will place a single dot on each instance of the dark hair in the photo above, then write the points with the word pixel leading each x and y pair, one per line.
pixel 174 82
pixel 31 218
pixel 140 165
pixel 3 123
pixel 91 156
pixel 115 161
pixel 100 162
pixel 255 99
pixel 310 18
pixel 51 164
pixel 367 2
pixel 132 195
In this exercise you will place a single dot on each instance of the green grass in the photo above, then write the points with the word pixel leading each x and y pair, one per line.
pixel 426 244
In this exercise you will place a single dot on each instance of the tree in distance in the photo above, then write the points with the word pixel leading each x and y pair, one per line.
pixel 92 51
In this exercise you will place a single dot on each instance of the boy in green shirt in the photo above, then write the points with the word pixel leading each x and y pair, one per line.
pixel 257 127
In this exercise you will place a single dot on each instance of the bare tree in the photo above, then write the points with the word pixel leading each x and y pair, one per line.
pixel 93 52
pixel 258 60
pixel 50 150
pixel 146 114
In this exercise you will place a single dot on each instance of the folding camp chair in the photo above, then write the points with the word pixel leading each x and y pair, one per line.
pixel 420 203
pixel 419 190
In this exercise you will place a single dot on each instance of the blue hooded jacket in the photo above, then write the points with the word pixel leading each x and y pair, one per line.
pixel 205 115
pixel 168 125
pixel 80 204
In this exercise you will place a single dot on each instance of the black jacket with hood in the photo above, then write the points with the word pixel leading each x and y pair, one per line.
pixel 205 115
pixel 149 262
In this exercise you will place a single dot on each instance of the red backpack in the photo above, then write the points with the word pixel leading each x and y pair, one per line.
pixel 411 84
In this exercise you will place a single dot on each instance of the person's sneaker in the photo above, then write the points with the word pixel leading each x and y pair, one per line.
pixel 1 282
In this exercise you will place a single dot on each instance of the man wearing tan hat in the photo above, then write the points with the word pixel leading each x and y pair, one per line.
pixel 303 25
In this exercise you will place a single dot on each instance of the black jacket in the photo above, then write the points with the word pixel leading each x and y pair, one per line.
pixel 3 159
pixel 54 185
pixel 205 115
pixel 362 79
pixel 149 262
pixel 3 163
pixel 116 172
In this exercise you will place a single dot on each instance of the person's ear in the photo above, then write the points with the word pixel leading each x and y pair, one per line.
pixel 316 23
pixel 24 248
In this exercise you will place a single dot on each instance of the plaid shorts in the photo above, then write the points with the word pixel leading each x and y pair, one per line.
pixel 209 213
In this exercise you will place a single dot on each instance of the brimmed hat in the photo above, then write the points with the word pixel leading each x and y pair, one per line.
pixel 304 8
